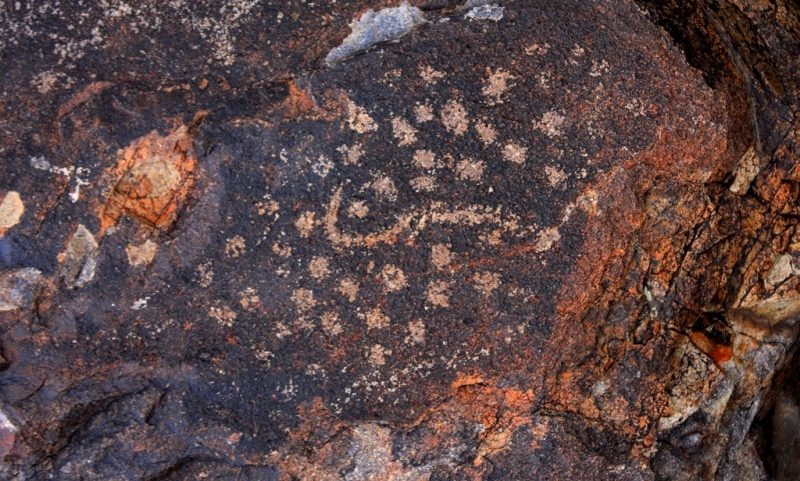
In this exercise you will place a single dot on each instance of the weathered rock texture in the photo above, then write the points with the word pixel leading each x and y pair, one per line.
pixel 519 240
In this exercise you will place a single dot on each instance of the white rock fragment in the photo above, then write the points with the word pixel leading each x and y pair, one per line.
pixel 18 288
pixel 375 27
pixel 493 12
pixel 79 259
pixel 11 210
pixel 746 171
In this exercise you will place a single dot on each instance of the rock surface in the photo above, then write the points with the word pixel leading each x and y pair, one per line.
pixel 508 241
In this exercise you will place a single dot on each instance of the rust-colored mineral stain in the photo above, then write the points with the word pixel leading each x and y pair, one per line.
pixel 719 353
pixel 152 179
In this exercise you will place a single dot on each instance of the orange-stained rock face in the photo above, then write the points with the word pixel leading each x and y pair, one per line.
pixel 151 180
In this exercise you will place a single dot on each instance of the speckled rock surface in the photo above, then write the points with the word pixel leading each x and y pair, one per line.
pixel 520 240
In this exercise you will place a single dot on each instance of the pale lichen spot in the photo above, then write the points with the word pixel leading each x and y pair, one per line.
pixel 546 239
pixel 496 85
pixel 578 51
pixel 394 279
pixel 281 250
pixel 423 183
pixel 555 176
pixel 588 201
pixel 235 246
pixel 441 256
pixel 416 332
pixel 305 223
pixel 303 299
pixel 223 314
pixel 205 274
pixel 430 75
pixel 454 117
pixel 493 238
pixel 319 268
pixel 470 169
pixel 377 355
pixel 438 293
pixel 598 68
pixel 403 132
pixel 281 330
pixel 376 319
pixel 384 187
pixel 536 49
pixel 359 120
pixel 515 153
pixel 249 300
pixel 351 155
pixel 330 323
pixel 358 209
pixel 551 124
pixel 423 113
pixel 141 254
pixel 348 288
pixel 322 167
pixel 267 207
pixel 487 282
pixel 424 159
pixel 486 133
pixel 11 210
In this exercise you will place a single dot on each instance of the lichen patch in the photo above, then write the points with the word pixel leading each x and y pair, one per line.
pixel 438 293
pixel 486 133
pixel 303 299
pixel 249 299
pixel 496 85
pixel 348 288
pixel 555 176
pixel 385 188
pixel 305 224
pixel 351 154
pixel 470 169
pixel 358 209
pixel 224 315
pixel 393 278
pixel 376 319
pixel 423 183
pixel 416 332
pixel 403 132
pixel 359 119
pixel 319 268
pixel 330 323
pixel 546 239
pixel 454 117
pixel 515 153
pixel 423 113
pixel 235 246
pixel 430 75
pixel 551 123
pixel 487 282
pixel 377 355
pixel 424 159
pixel 441 256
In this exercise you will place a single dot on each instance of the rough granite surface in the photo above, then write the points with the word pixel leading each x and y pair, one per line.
pixel 512 240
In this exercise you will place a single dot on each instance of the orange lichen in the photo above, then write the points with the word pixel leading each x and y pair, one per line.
pixel 299 103
pixel 151 180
